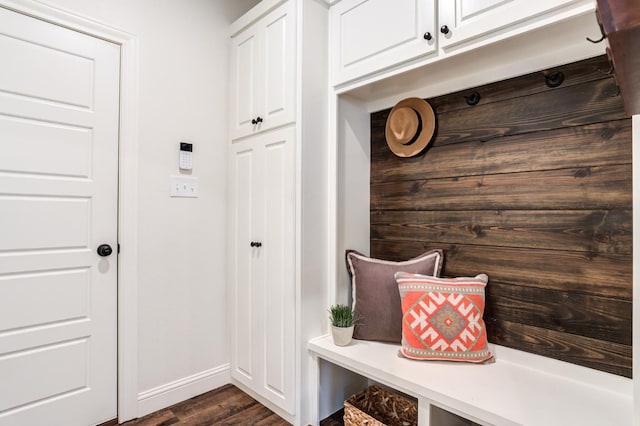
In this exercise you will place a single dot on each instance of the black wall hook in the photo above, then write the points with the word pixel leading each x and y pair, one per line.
pixel 596 41
pixel 554 79
pixel 608 72
pixel 603 36
pixel 473 98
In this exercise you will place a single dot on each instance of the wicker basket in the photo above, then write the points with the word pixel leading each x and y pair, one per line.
pixel 376 406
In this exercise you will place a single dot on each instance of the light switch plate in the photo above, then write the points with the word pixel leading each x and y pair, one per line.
pixel 184 186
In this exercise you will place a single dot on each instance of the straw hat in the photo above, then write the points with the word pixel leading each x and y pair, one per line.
pixel 410 127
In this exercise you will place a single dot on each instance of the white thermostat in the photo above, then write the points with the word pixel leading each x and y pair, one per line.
pixel 186 156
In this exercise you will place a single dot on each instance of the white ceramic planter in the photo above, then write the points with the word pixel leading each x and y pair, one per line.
pixel 341 335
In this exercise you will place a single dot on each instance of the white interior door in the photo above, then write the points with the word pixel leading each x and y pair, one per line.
pixel 58 203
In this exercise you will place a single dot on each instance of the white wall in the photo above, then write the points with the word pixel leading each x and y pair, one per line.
pixel 354 164
pixel 182 324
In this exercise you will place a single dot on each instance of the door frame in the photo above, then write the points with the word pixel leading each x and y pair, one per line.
pixel 127 314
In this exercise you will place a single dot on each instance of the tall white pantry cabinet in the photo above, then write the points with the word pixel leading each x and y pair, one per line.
pixel 277 197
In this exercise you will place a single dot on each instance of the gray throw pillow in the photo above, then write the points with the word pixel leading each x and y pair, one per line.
pixel 376 299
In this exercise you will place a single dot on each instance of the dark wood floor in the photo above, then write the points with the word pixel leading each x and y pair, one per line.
pixel 336 419
pixel 226 405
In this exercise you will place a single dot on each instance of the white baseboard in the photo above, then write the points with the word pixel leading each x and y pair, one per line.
pixel 171 393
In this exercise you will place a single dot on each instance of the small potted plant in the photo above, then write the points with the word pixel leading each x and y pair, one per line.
pixel 342 322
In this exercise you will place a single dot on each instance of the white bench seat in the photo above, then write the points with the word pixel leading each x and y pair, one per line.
pixel 518 389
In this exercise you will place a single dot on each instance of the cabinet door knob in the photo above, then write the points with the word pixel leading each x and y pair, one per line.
pixel 253 121
pixel 444 29
pixel 256 244
pixel 428 36
pixel 259 119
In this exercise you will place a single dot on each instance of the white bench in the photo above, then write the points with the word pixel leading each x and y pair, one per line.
pixel 518 389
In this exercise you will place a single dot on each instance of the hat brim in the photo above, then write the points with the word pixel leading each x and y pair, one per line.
pixel 428 121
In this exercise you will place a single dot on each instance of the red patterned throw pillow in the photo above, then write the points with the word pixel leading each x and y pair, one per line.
pixel 442 318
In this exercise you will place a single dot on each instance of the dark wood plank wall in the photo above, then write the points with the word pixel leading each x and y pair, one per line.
pixel 532 186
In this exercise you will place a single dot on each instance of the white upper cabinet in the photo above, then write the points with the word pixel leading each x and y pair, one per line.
pixel 263 73
pixel 370 35
pixel 462 21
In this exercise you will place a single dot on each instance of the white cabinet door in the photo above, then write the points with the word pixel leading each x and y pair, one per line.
pixel 468 20
pixel 262 266
pixel 370 35
pixel 244 274
pixel 277 78
pixel 263 73
pixel 246 64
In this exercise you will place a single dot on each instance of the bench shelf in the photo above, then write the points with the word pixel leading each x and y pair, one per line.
pixel 518 389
